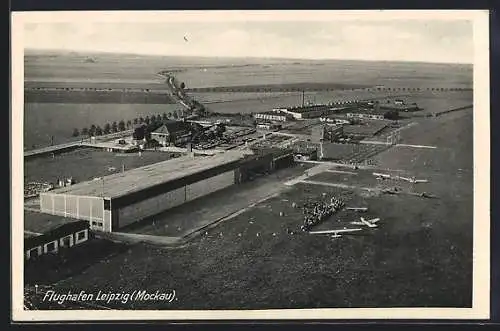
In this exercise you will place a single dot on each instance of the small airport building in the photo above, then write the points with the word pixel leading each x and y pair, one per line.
pixel 305 112
pixel 272 116
pixel 51 242
pixel 327 132
pixel 172 133
pixel 373 114
pixel 315 111
pixel 120 199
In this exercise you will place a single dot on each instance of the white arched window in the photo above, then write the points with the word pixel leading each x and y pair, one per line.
pixel 51 247
pixel 81 236
pixel 66 241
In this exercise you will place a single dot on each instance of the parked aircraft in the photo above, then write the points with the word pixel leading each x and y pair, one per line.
pixel 381 176
pixel 358 209
pixel 335 233
pixel 394 190
pixel 368 223
pixel 414 180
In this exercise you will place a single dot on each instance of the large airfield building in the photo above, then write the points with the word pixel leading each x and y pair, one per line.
pixel 315 111
pixel 117 200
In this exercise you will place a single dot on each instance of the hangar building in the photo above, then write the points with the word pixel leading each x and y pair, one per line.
pixel 120 199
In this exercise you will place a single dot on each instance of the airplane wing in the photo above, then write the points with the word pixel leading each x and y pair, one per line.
pixel 375 220
pixel 357 208
pixel 347 230
pixel 334 231
pixel 421 181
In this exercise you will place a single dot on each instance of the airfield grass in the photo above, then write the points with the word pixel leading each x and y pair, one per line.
pixel 366 179
pixel 413 259
pixel 86 163
pixel 435 131
pixel 435 103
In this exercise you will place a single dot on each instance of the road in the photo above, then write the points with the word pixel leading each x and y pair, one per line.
pixel 49 149
pixel 74 144
pixel 176 92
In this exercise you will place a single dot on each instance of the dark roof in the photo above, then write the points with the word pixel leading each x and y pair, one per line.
pixel 274 151
pixel 55 233
pixel 370 111
pixel 306 109
pixel 170 127
pixel 398 107
pixel 303 147
pixel 139 125
pixel 270 112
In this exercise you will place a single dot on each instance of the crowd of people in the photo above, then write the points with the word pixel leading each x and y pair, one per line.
pixel 34 188
pixel 316 211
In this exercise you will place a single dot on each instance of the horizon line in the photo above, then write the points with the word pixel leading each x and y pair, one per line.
pixel 235 57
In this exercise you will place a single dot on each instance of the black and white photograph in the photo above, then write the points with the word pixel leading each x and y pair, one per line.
pixel 250 165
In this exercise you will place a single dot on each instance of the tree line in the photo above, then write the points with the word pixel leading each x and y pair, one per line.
pixel 122 125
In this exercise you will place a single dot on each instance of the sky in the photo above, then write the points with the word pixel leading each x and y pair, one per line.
pixel 447 41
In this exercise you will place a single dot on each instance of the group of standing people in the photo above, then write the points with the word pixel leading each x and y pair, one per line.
pixel 317 211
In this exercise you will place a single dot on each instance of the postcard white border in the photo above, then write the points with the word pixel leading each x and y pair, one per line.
pixel 481 268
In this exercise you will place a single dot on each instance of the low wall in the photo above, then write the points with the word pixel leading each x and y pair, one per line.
pixel 452 110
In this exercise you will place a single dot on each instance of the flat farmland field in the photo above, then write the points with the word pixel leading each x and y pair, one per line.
pixel 220 97
pixel 42 120
pixel 199 72
pixel 67 66
pixel 105 67
pixel 342 72
pixel 84 164
pixel 99 84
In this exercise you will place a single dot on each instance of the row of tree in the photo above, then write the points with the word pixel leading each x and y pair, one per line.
pixel 442 89
pixel 96 130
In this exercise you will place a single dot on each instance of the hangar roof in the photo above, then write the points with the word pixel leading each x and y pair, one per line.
pixel 134 180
